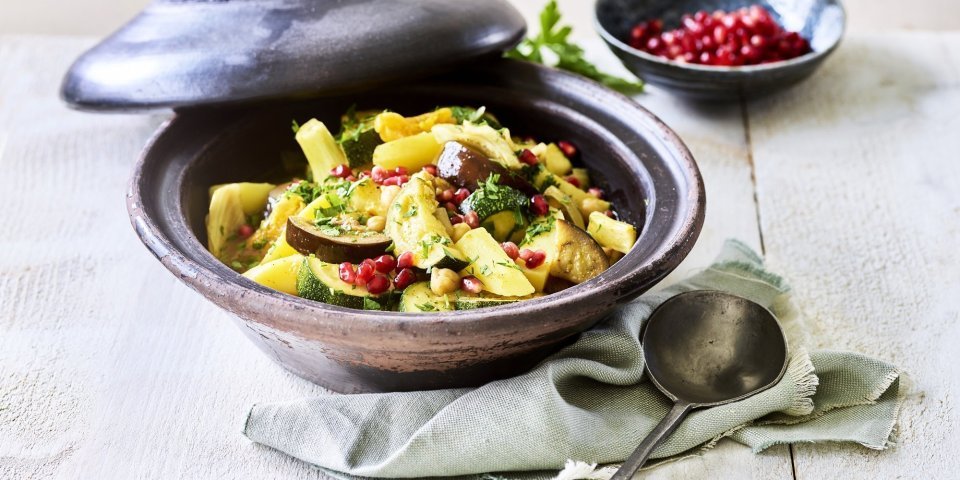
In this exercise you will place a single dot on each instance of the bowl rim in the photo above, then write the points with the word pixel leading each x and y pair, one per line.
pixel 811 57
pixel 297 313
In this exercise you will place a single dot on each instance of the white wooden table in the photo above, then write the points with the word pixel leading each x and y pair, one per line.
pixel 850 184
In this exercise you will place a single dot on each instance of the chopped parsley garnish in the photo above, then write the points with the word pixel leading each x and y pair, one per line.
pixel 538 228
pixel 294 126
pixel 308 191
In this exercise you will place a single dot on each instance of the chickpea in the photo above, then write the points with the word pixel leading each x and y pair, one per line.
pixel 443 281
pixel 591 204
pixel 459 230
pixel 376 223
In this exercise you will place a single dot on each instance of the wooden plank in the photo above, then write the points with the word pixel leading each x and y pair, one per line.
pixel 859 192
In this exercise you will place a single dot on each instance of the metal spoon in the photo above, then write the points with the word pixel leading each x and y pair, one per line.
pixel 706 348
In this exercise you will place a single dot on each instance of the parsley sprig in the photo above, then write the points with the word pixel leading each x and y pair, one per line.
pixel 570 57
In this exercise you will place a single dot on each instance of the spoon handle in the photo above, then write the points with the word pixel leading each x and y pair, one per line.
pixel 654 438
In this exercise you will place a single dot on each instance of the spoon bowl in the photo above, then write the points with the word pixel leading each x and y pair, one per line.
pixel 708 348
pixel 703 349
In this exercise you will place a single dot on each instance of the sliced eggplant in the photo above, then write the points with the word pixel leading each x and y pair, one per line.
pixel 354 247
pixel 579 256
pixel 465 167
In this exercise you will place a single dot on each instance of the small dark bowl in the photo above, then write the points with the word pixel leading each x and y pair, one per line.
pixel 822 22
pixel 648 172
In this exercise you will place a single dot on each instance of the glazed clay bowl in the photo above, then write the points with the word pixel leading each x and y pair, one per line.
pixel 646 169
pixel 822 22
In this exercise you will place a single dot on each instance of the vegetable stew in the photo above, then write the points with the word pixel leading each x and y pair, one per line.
pixel 436 212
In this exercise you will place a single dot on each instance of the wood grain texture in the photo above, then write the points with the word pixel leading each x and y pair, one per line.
pixel 858 175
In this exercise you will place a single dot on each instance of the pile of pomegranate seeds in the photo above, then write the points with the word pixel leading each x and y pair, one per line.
pixel 748 36
pixel 374 273
pixel 382 176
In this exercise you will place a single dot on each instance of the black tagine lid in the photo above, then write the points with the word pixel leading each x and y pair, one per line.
pixel 179 53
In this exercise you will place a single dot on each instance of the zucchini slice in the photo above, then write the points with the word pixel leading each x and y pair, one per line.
pixel 499 274
pixel 419 298
pixel 358 138
pixel 483 300
pixel 320 281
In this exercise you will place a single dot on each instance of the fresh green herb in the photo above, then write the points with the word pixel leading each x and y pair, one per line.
pixel 570 57
pixel 236 265
pixel 538 228
pixel 485 269
pixel 507 264
pixel 259 243
pixel 308 191
pixel 370 304
pixel 427 307
pixel 411 212
pixel 390 248
pixel 294 126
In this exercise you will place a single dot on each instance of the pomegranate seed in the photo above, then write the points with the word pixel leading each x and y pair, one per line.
pixel 385 263
pixel 364 174
pixel 379 174
pixel 365 272
pixel 391 181
pixel 510 249
pixel 535 259
pixel 596 192
pixel 528 157
pixel 405 260
pixel 397 180
pixel 639 32
pixel 450 206
pixel 405 278
pixel 445 196
pixel 707 58
pixel 654 45
pixel 471 284
pixel 568 148
pixel 341 171
pixel 244 231
pixel 539 206
pixel 347 273
pixel 573 181
pixel 610 214
pixel 351 178
pixel 431 169
pixel 400 171
pixel 525 254
pixel 460 195
pixel 378 284
pixel 455 219
pixel 471 219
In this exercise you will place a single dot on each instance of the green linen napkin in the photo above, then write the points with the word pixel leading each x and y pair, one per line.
pixel 590 402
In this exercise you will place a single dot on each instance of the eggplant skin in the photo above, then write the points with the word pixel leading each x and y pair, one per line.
pixel 579 257
pixel 465 167
pixel 308 240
